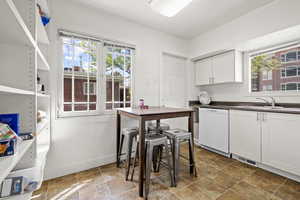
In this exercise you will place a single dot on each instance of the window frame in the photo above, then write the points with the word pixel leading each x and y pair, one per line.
pixel 100 84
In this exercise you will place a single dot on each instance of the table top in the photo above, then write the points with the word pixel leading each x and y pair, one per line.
pixel 154 110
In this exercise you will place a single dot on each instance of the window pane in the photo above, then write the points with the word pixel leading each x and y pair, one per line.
pixel 92 106
pixel 291 71
pixel 127 72
pixel 80 107
pixel 283 87
pixel 282 58
pixel 291 56
pixel 67 107
pixel 108 73
pixel 283 74
pixel 118 91
pixel 291 86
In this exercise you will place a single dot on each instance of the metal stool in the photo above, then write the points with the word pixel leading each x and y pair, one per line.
pixel 130 134
pixel 157 152
pixel 152 141
pixel 176 137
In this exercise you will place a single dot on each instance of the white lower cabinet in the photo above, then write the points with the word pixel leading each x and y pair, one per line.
pixel 245 128
pixel 272 139
pixel 281 141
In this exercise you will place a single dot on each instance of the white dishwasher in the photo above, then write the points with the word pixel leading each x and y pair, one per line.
pixel 214 130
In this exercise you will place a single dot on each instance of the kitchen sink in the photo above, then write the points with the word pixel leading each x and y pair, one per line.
pixel 260 107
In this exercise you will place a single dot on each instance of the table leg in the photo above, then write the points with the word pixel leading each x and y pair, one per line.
pixel 118 132
pixel 157 124
pixel 191 147
pixel 142 155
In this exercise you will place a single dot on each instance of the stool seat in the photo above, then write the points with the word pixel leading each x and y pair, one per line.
pixel 177 134
pixel 162 127
pixel 155 138
pixel 131 130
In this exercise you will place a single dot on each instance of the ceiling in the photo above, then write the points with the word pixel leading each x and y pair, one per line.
pixel 198 17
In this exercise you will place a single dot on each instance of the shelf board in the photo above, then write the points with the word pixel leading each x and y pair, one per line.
pixel 8 163
pixel 11 90
pixel 43 95
pixel 25 196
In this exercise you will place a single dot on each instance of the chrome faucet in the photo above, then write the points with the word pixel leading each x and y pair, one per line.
pixel 273 102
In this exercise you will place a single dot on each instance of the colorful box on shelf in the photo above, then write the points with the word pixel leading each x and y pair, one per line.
pixel 8 147
pixel 8 140
pixel 12 120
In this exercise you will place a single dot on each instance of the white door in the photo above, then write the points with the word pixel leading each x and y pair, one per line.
pixel 281 141
pixel 214 129
pixel 224 67
pixel 173 86
pixel 204 73
pixel 245 133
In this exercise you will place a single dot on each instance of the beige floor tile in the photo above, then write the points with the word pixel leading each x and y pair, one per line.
pixel 230 195
pixel 225 180
pixel 289 191
pixel 239 170
pixel 251 192
pixel 265 180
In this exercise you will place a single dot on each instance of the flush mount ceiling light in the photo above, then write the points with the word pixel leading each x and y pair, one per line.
pixel 168 8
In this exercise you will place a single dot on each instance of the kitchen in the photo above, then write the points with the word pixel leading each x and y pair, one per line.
pixel 219 81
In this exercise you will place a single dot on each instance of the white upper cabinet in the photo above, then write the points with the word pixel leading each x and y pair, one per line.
pixel 204 72
pixel 222 68
pixel 245 134
pixel 280 141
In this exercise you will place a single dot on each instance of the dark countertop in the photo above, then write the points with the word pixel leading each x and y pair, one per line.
pixel 289 108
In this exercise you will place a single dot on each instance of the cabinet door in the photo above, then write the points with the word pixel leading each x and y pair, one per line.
pixel 203 72
pixel 281 141
pixel 224 67
pixel 245 133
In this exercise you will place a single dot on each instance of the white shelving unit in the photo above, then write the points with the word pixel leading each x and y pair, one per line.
pixel 23 56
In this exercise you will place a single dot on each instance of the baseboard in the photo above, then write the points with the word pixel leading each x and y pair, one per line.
pixel 270 169
pixel 79 166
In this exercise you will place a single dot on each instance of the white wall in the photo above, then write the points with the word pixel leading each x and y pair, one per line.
pixel 279 15
pixel 84 142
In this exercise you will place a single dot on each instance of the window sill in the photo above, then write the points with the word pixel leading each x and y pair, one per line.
pixel 64 115
pixel 274 94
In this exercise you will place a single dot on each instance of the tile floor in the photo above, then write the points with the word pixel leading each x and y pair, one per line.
pixel 219 178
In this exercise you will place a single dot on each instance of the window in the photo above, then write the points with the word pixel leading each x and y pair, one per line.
pixel 267 87
pixel 291 56
pixel 89 87
pixel 271 69
pixel 80 67
pixel 118 76
pixel 291 71
pixel 91 84
pixel 290 86
pixel 267 75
